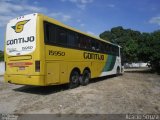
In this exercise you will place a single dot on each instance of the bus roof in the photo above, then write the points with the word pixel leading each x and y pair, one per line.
pixel 66 26
pixel 76 30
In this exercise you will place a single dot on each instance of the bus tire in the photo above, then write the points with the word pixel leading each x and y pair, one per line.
pixel 74 79
pixel 85 77
pixel 118 71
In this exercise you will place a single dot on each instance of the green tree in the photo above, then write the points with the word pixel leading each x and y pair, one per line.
pixel 154 57
pixel 127 39
pixel 136 46
pixel 1 56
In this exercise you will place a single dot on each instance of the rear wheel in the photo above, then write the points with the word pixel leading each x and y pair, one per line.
pixel 85 77
pixel 74 79
pixel 118 71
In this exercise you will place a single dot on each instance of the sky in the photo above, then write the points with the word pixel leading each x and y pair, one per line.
pixel 91 16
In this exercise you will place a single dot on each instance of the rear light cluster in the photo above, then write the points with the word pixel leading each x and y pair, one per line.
pixel 5 66
pixel 37 66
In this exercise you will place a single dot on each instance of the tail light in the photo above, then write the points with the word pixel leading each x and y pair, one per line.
pixel 5 66
pixel 37 66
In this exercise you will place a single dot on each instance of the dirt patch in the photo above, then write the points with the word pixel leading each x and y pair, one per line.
pixel 130 93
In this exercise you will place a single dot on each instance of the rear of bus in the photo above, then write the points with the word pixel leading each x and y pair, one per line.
pixel 23 56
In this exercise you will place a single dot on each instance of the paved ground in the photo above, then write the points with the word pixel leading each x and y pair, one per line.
pixel 130 93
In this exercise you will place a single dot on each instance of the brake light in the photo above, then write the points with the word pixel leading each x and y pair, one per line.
pixel 5 66
pixel 37 66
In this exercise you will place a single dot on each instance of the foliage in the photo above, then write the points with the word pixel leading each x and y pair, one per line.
pixel 1 56
pixel 136 46
pixel 154 58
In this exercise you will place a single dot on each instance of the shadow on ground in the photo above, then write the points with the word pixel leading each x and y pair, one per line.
pixel 41 90
pixel 46 90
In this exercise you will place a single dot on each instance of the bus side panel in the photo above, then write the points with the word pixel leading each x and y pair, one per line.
pixel 111 65
pixel 74 59
pixel 64 74
pixel 58 72
pixel 96 68
pixel 25 79
pixel 81 65
pixel 52 75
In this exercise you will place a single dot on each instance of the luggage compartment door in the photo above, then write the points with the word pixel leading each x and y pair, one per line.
pixel 52 75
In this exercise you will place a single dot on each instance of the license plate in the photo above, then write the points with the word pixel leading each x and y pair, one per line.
pixel 21 68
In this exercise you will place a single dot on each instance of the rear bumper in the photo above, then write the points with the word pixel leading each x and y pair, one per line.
pixel 25 79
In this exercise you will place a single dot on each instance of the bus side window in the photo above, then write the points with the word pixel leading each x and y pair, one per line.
pixel 93 44
pixel 85 42
pixel 109 49
pixel 89 46
pixel 102 47
pixel 61 36
pixel 49 33
pixel 77 40
pixel 97 43
pixel 71 39
pixel 52 34
pixel 114 49
pixel 82 42
pixel 46 32
pixel 106 48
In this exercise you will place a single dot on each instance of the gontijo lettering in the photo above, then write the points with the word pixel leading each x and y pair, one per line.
pixel 20 40
pixel 94 56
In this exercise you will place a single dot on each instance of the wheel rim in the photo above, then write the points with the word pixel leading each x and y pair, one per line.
pixel 75 77
pixel 86 77
pixel 118 71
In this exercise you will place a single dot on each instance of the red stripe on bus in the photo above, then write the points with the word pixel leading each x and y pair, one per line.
pixel 17 64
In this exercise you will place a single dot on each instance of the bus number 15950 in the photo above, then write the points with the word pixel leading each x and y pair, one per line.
pixel 56 53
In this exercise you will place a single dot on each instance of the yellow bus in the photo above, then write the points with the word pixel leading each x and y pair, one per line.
pixel 42 51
